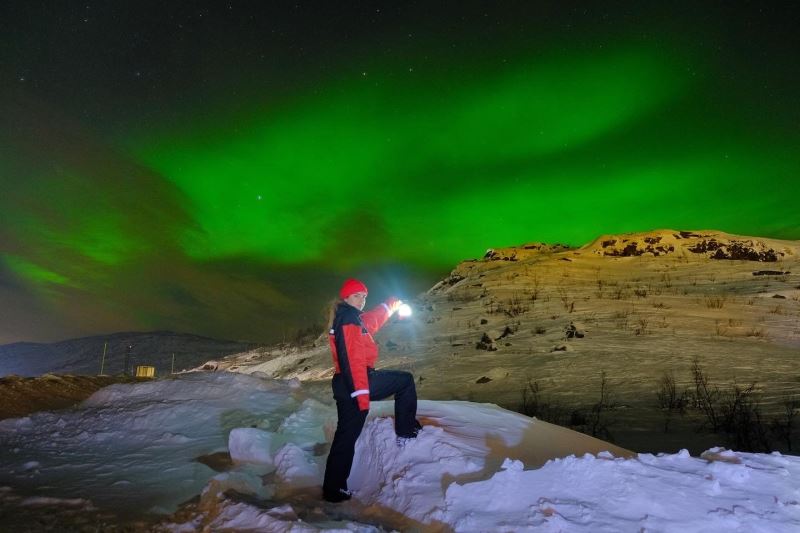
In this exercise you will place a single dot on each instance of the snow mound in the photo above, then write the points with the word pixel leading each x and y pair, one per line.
pixel 473 467
pixel 250 445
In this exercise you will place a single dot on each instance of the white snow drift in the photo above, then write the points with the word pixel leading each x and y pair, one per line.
pixel 474 467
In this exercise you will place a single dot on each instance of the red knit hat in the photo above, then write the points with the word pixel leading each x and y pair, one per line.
pixel 351 286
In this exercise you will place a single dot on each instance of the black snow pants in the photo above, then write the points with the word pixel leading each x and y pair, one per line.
pixel 382 384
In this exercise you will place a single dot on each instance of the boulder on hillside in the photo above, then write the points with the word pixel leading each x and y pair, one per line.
pixel 486 343
pixel 571 331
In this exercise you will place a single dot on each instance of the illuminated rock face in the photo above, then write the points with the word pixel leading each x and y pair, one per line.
pixel 739 251
pixel 704 244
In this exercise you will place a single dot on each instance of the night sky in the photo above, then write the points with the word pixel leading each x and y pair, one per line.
pixel 219 168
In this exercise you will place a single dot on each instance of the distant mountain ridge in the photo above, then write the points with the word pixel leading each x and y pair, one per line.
pixel 84 355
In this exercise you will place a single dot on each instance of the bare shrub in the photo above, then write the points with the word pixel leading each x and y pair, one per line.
pixel 600 284
pixel 756 332
pixel 715 302
pixel 668 397
pixel 531 399
pixel 566 301
pixel 743 421
pixel 533 404
pixel 706 397
pixel 594 420
pixel 654 290
pixel 735 412
pixel 624 313
pixel 783 426
pixel 640 293
pixel 669 400
pixel 535 287
pixel 597 423
pixel 641 326
pixel 621 318
pixel 515 306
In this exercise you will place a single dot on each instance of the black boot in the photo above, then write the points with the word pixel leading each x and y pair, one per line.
pixel 340 495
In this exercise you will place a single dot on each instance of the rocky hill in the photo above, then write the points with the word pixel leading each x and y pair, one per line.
pixel 616 315
pixel 696 245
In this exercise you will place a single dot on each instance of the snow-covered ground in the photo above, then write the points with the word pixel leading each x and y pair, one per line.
pixel 133 449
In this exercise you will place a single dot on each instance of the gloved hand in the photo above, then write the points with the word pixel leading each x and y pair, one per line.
pixel 393 304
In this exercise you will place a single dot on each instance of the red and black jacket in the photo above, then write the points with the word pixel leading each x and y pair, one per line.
pixel 353 348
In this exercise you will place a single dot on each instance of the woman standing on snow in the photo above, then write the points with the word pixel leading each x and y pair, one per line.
pixel 356 382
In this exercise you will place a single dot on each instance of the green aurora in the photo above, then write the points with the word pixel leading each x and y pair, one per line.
pixel 557 150
pixel 258 209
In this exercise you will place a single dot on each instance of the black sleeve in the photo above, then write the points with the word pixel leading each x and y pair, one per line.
pixel 348 316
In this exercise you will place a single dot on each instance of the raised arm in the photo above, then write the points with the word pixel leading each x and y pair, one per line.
pixel 376 317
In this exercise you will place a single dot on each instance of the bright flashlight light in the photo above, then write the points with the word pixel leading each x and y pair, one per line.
pixel 404 310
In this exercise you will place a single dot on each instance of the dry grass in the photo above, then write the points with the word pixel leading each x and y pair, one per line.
pixel 630 340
